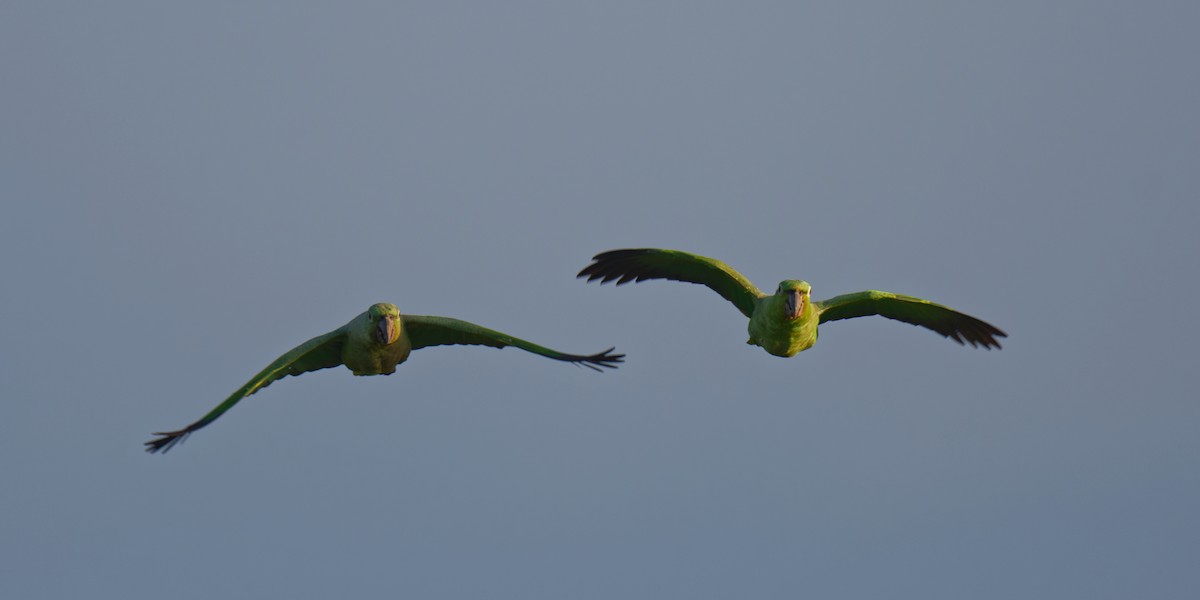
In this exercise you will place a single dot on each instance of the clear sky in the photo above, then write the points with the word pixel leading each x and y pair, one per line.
pixel 191 189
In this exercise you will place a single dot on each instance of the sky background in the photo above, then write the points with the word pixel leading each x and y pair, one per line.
pixel 191 189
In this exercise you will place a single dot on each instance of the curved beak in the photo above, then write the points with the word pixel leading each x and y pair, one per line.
pixel 386 330
pixel 795 304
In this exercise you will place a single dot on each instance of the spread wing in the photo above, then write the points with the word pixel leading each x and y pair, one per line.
pixel 650 263
pixel 320 352
pixel 442 331
pixel 915 311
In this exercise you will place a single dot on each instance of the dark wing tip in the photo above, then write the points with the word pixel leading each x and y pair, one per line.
pixel 623 252
pixel 166 441
pixel 604 359
pixel 621 265
pixel 977 333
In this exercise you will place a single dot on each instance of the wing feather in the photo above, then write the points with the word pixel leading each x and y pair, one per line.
pixel 321 352
pixel 948 322
pixel 424 331
pixel 640 264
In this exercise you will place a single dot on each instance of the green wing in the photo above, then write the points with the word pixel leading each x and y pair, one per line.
pixel 915 311
pixel 320 352
pixel 442 331
pixel 650 263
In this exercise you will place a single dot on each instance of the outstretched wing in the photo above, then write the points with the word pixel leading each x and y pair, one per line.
pixel 320 352
pixel 915 311
pixel 442 331
pixel 651 263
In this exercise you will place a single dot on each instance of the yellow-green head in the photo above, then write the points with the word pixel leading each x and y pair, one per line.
pixel 796 297
pixel 386 319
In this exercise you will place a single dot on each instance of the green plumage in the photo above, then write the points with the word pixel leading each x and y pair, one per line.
pixel 785 323
pixel 373 343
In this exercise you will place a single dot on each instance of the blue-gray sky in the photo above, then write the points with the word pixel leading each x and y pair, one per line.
pixel 192 189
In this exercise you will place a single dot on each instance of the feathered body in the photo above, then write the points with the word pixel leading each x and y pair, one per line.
pixel 785 323
pixel 772 328
pixel 373 343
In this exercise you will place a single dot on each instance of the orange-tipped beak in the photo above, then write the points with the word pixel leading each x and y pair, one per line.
pixel 795 304
pixel 386 331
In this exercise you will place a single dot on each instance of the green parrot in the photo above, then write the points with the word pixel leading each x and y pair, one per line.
pixel 373 343
pixel 785 323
